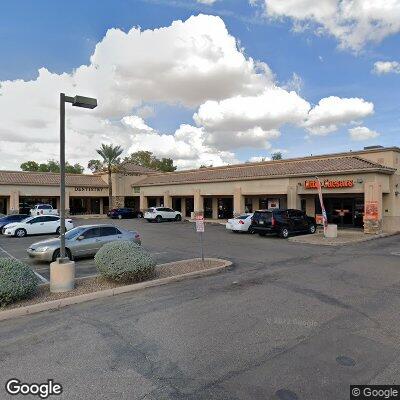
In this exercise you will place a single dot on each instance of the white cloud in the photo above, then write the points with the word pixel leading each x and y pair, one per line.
pixel 259 159
pixel 353 22
pixel 208 2
pixel 360 133
pixel 187 146
pixel 295 83
pixel 196 64
pixel 331 112
pixel 186 63
pixel 386 67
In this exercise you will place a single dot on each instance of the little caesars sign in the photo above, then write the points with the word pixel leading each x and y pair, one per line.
pixel 328 184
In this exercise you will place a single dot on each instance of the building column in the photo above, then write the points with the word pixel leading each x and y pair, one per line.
pixel 198 201
pixel 310 206
pixel 215 207
pixel 101 206
pixel 143 203
pixel 255 203
pixel 183 207
pixel 167 200
pixel 14 202
pixel 293 199
pixel 373 207
pixel 238 201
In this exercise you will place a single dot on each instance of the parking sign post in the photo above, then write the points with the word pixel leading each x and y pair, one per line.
pixel 200 230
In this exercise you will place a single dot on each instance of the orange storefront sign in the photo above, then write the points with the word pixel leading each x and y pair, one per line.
pixel 371 211
pixel 327 184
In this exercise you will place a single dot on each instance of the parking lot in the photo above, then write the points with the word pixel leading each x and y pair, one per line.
pixel 166 241
pixel 287 321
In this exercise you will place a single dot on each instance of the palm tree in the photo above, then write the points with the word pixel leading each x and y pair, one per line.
pixel 110 155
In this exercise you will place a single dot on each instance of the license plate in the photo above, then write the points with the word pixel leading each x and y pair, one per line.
pixel 261 222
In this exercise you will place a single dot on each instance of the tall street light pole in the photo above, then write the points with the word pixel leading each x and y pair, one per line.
pixel 62 271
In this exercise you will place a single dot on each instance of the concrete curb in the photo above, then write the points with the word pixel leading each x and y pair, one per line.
pixel 297 239
pixel 60 303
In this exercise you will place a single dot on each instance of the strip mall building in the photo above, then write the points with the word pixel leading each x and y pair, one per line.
pixel 361 189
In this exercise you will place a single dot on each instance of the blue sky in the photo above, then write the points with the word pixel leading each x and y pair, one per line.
pixel 61 36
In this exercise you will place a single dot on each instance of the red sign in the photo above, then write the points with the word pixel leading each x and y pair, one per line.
pixel 199 223
pixel 327 184
pixel 371 211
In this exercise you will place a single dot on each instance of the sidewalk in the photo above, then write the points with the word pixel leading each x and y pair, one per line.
pixel 345 236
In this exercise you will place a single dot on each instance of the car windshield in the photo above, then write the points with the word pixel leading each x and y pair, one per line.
pixel 75 232
pixel 150 209
pixel 243 216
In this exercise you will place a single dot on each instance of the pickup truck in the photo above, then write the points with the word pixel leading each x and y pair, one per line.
pixel 43 209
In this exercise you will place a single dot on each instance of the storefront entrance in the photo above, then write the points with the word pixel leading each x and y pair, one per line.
pixel 132 202
pixel 3 205
pixel 225 208
pixel 87 205
pixel 343 211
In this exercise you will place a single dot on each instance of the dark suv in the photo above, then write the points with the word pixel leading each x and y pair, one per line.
pixel 282 222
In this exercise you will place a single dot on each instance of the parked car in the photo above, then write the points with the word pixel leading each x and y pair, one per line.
pixel 282 222
pixel 82 241
pixel 8 219
pixel 159 214
pixel 37 225
pixel 124 213
pixel 43 209
pixel 240 224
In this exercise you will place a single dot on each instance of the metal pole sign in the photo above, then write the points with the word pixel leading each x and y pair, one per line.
pixel 321 200
pixel 200 229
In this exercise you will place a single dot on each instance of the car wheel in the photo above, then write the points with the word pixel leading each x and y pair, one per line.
pixel 178 218
pixel 284 233
pixel 262 234
pixel 58 231
pixel 20 233
pixel 312 229
pixel 251 231
pixel 158 218
pixel 119 216
pixel 140 215
pixel 57 254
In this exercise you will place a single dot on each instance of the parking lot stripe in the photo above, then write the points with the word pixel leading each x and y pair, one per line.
pixel 42 278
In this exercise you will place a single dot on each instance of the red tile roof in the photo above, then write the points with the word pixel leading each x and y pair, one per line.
pixel 49 179
pixel 269 169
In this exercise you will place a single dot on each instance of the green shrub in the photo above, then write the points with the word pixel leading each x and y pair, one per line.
pixel 124 262
pixel 17 281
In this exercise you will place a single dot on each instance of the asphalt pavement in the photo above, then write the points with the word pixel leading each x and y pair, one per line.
pixel 287 321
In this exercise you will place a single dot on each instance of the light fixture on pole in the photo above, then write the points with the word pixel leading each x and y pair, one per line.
pixel 62 271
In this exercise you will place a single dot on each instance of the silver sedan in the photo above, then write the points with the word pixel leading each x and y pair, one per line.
pixel 82 241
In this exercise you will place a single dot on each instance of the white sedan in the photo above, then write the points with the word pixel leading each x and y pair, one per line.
pixel 36 225
pixel 159 214
pixel 239 224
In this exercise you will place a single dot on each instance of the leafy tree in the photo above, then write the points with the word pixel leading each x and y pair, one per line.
pixel 147 159
pixel 276 156
pixel 51 166
pixel 205 166
pixel 110 155
pixel 74 169
pixel 29 166
pixel 95 165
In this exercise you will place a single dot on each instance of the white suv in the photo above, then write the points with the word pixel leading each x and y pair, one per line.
pixel 159 214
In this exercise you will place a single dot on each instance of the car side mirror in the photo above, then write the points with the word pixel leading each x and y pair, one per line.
pixel 80 238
